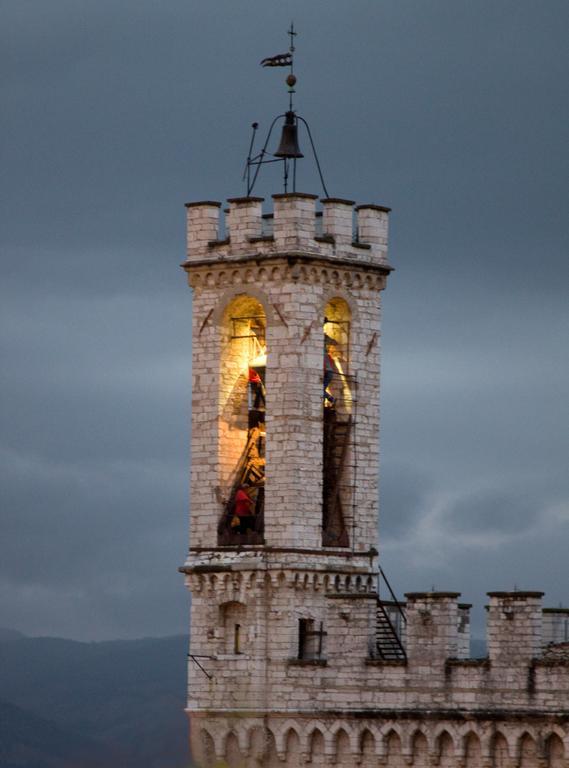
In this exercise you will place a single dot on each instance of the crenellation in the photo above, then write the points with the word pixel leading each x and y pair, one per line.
pixel 338 232
pixel 514 625
pixel 202 225
pixel 338 221
pixel 245 217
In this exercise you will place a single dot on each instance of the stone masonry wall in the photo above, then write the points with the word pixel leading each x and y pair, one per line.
pixel 510 709
pixel 293 288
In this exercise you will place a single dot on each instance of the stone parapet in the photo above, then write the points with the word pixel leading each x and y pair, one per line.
pixel 514 626
pixel 338 220
pixel 244 220
pixel 346 233
pixel 341 601
pixel 432 626
pixel 202 220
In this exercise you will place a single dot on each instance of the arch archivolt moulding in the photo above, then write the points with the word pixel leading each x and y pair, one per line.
pixel 238 291
pixel 435 739
pixel 556 730
pixel 281 735
pixel 340 293
pixel 243 277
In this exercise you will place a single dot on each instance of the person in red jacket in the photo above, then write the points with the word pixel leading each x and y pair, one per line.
pixel 243 509
pixel 257 389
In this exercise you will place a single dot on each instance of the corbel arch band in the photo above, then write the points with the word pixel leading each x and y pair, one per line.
pixel 243 291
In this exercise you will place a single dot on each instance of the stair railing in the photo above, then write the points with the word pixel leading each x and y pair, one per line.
pixel 396 637
pixel 394 600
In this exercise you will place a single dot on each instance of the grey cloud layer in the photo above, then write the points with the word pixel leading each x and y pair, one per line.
pixel 116 114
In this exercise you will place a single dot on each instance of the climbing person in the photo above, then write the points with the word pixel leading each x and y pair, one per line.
pixel 243 508
pixel 330 369
pixel 257 390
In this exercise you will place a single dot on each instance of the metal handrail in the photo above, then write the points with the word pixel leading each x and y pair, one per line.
pixel 394 632
pixel 398 605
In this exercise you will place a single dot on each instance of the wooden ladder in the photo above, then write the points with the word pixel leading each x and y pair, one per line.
pixel 336 441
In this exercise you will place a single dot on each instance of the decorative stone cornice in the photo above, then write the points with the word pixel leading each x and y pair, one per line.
pixel 220 581
pixel 285 267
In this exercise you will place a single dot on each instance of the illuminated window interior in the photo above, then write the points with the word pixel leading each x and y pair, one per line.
pixel 338 416
pixel 242 425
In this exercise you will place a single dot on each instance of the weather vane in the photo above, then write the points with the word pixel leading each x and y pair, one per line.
pixel 288 151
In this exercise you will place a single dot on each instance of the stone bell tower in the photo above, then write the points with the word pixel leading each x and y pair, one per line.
pixel 286 360
pixel 294 656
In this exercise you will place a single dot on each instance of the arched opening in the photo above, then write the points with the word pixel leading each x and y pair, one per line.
pixel 554 751
pixel 292 747
pixel 267 756
pixel 472 750
pixel 366 746
pixel 233 754
pixel 445 749
pixel 393 749
pixel 338 399
pixel 316 746
pixel 337 379
pixel 203 749
pixel 342 748
pixel 500 751
pixel 242 392
pixel 420 748
pixel 527 752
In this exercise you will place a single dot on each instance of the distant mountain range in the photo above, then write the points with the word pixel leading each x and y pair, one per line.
pixel 478 649
pixel 118 704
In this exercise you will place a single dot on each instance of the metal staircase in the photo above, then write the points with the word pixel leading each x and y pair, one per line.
pixel 387 642
pixel 389 629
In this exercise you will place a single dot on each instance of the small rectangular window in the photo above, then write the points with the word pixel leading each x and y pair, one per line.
pixel 237 639
pixel 310 639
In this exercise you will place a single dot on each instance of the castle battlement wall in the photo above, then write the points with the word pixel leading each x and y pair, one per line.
pixel 347 676
pixel 341 231
pixel 509 706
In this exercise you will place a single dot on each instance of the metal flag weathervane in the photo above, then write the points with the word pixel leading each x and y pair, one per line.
pixel 288 151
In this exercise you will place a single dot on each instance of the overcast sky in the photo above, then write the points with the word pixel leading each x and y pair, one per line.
pixel 116 112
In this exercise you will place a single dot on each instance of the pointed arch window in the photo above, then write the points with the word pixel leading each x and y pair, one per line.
pixel 338 400
pixel 242 392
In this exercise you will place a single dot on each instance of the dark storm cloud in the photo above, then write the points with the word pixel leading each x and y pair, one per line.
pixel 403 493
pixel 116 113
pixel 490 538
pixel 492 512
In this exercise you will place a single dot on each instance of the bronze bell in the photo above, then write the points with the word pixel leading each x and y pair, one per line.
pixel 288 146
